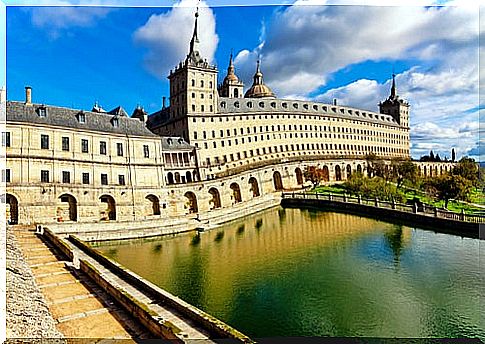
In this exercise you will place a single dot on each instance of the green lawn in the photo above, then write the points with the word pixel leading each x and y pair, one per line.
pixel 477 197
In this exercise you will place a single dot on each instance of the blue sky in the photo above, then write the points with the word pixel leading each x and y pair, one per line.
pixel 74 56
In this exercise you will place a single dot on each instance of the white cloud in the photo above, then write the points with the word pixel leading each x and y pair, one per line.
pixel 61 15
pixel 167 36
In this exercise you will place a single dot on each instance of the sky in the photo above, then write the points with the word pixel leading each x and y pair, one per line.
pixel 109 52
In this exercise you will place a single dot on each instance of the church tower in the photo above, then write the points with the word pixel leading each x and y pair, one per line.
pixel 231 87
pixel 193 83
pixel 396 107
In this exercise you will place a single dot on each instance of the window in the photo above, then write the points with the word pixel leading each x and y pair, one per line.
pixel 102 148
pixel 84 146
pixel 44 176
pixel 104 179
pixel 44 141
pixel 6 175
pixel 116 122
pixel 6 139
pixel 208 161
pixel 42 111
pixel 121 179
pixel 85 178
pixel 65 144
pixel 81 117
pixel 146 151
pixel 119 149
pixel 66 177
pixel 202 108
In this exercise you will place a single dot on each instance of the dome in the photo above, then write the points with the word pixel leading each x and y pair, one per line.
pixel 259 89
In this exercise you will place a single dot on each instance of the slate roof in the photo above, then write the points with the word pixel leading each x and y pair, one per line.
pixel 69 118
pixel 158 118
pixel 175 143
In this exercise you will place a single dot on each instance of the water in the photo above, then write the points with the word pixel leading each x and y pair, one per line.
pixel 291 272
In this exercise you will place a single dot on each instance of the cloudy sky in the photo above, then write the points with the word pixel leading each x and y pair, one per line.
pixel 320 50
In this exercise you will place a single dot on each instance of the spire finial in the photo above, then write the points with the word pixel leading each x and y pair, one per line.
pixel 393 87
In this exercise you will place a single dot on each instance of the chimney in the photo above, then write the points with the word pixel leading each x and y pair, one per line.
pixel 28 95
pixel 334 101
pixel 163 102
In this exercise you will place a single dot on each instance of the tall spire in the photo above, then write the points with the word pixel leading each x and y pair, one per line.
pixel 194 42
pixel 230 69
pixel 258 76
pixel 393 88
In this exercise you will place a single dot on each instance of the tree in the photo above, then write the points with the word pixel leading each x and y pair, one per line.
pixel 437 157
pixel 447 187
pixel 376 166
pixel 431 155
pixel 314 174
pixel 403 170
pixel 468 169
pixel 453 154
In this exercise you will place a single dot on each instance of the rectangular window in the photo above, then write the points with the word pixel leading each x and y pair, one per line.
pixel 82 118
pixel 44 141
pixel 104 179
pixel 85 178
pixel 102 148
pixel 6 139
pixel 119 149
pixel 66 177
pixel 146 151
pixel 121 179
pixel 6 176
pixel 65 143
pixel 208 161
pixel 44 176
pixel 84 146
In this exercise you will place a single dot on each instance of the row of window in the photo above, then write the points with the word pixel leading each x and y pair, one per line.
pixel 278 128
pixel 301 147
pixel 44 144
pixel 66 177
pixel 330 119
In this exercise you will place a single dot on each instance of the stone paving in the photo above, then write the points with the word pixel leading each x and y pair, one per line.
pixel 79 307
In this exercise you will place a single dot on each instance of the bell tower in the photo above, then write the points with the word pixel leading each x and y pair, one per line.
pixel 396 107
pixel 231 87
pixel 193 83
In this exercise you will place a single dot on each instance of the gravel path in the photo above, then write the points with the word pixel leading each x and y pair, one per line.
pixel 27 312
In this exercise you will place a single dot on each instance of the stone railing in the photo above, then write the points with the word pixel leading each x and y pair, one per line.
pixel 425 209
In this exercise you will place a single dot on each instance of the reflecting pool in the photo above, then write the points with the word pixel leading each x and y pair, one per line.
pixel 292 272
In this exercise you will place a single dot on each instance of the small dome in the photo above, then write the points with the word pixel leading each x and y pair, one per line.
pixel 259 89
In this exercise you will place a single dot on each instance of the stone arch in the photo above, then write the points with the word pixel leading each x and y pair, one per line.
pixel 154 203
pixel 349 170
pixel 170 179
pixel 108 207
pixel 12 211
pixel 359 168
pixel 325 173
pixel 216 198
pixel 188 177
pixel 425 171
pixel 338 173
pixel 195 176
pixel 191 204
pixel 299 176
pixel 254 186
pixel 236 192
pixel 236 93
pixel 67 208
pixel 277 181
pixel 177 178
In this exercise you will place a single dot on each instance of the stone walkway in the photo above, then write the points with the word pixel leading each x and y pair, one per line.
pixel 79 307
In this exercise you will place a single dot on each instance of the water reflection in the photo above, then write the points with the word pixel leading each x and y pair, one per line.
pixel 310 273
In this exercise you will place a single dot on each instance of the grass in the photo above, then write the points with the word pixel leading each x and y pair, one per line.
pixel 477 197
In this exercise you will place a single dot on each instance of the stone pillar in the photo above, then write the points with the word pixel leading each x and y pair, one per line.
pixel 393 204
pixel 415 208
pixel 435 212
pixel 462 215
pixel 359 199
pixel 345 198
pixel 377 202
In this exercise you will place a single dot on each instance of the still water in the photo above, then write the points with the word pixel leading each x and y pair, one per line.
pixel 291 272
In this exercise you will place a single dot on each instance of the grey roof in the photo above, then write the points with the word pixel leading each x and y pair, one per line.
pixel 69 118
pixel 299 107
pixel 158 118
pixel 175 143
pixel 119 111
